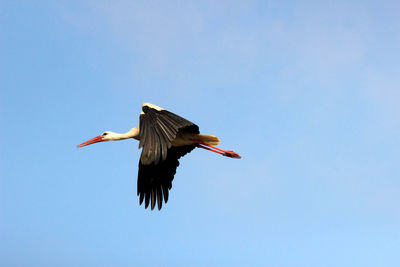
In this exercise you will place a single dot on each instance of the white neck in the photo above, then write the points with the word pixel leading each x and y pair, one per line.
pixel 132 133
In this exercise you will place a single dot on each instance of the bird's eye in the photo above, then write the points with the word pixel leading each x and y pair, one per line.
pixel 105 134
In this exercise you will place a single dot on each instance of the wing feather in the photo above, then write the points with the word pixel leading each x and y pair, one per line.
pixel 154 180
pixel 153 198
pixel 159 160
pixel 165 192
pixel 159 197
pixel 157 129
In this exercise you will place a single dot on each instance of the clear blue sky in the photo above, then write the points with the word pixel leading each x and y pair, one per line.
pixel 307 92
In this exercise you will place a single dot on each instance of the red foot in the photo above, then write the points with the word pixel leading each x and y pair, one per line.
pixel 231 154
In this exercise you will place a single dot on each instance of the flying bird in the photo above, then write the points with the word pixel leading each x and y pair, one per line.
pixel 165 137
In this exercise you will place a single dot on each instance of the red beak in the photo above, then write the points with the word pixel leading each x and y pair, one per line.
pixel 91 141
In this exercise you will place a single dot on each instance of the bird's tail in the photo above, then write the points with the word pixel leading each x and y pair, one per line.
pixel 208 139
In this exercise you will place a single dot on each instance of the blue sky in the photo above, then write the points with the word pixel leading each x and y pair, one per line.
pixel 306 91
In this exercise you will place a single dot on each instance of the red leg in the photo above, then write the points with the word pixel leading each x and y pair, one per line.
pixel 227 153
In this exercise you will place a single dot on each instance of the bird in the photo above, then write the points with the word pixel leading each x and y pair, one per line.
pixel 164 138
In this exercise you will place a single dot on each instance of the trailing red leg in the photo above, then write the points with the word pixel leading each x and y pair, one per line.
pixel 226 153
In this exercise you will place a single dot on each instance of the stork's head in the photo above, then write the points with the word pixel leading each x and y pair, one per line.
pixel 106 136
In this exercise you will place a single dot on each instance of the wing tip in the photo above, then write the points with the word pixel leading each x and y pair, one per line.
pixel 151 203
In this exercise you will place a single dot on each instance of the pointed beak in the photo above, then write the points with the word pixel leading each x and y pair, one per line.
pixel 91 141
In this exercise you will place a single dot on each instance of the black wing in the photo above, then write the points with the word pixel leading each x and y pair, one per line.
pixel 155 179
pixel 157 129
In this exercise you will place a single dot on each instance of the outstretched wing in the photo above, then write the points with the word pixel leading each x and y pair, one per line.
pixel 155 179
pixel 158 127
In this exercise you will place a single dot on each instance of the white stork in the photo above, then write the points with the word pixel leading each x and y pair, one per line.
pixel 165 137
